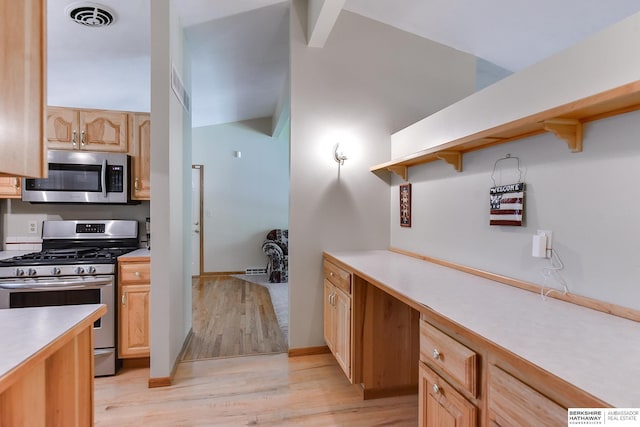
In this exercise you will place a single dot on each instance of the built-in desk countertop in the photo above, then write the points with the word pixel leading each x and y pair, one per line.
pixel 596 352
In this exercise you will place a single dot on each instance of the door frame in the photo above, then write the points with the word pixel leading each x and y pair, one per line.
pixel 200 215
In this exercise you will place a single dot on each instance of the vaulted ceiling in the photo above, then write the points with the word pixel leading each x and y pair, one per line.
pixel 240 47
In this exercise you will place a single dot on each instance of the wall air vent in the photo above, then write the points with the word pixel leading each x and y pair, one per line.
pixel 90 14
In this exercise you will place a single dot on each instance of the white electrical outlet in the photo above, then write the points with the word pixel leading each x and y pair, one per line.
pixel 33 227
pixel 549 235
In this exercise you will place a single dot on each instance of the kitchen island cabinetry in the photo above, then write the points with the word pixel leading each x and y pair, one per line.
pixel 141 152
pixel 134 286
pixel 489 354
pixel 22 104
pixel 91 130
pixel 46 368
pixel 10 187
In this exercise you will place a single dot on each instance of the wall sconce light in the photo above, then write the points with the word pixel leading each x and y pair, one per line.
pixel 338 155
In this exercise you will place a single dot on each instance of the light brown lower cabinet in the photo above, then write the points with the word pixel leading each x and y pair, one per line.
pixel 337 325
pixel 134 285
pixel 440 404
pixel 513 403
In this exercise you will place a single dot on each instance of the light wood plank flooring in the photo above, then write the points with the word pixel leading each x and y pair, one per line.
pixel 232 317
pixel 266 390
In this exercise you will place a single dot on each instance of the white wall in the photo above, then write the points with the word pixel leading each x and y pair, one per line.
pixel 604 61
pixel 170 193
pixel 368 81
pixel 245 197
pixel 589 200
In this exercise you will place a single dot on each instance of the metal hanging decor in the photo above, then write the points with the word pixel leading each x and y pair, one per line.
pixel 506 201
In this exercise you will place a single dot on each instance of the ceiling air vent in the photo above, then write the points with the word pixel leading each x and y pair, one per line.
pixel 90 14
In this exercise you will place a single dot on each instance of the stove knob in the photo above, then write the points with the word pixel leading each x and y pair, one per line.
pixel 32 272
pixel 79 270
pixel 92 270
pixel 19 272
pixel 55 271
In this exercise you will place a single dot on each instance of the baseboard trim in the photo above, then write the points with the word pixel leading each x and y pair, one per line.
pixel 168 381
pixel 220 273
pixel 308 351
pixel 159 382
pixel 605 307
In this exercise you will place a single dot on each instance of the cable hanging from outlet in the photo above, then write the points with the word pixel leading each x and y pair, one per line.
pixel 553 271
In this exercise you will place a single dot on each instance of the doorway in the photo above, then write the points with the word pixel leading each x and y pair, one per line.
pixel 197 178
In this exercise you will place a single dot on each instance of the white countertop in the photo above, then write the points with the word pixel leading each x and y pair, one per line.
pixel 27 331
pixel 143 252
pixel 594 351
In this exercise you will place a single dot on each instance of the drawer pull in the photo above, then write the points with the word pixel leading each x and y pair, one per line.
pixel 331 273
pixel 137 274
pixel 436 354
pixel 436 389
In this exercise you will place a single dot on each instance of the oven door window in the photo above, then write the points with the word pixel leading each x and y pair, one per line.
pixel 68 177
pixel 53 298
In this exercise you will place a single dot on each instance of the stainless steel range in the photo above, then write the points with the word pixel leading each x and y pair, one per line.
pixel 77 265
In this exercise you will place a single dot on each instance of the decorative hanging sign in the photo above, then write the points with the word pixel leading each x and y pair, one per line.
pixel 507 204
pixel 405 205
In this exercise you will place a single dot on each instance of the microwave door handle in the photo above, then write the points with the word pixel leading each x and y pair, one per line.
pixel 104 178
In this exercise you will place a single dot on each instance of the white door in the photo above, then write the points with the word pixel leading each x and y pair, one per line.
pixel 196 218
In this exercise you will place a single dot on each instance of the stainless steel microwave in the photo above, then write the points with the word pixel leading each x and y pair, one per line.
pixel 81 177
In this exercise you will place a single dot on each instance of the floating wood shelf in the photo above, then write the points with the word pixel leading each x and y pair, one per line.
pixel 564 121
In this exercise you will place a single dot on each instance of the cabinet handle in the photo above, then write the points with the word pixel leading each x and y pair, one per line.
pixel 436 389
pixel 84 138
pixel 331 273
pixel 74 138
pixel 137 274
pixel 135 184
pixel 124 298
pixel 436 354
pixel 17 183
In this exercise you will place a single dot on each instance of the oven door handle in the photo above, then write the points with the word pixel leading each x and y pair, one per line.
pixel 62 285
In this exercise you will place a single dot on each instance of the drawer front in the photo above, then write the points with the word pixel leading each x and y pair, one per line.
pixel 339 277
pixel 512 402
pixel 135 273
pixel 441 351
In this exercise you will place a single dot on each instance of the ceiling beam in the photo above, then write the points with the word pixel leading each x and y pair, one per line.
pixel 321 17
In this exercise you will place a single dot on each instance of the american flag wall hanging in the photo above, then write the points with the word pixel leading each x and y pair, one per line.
pixel 507 204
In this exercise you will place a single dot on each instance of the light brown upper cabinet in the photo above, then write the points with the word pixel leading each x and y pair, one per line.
pixel 91 130
pixel 22 85
pixel 141 146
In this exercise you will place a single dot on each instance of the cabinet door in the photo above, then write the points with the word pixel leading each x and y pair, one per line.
pixel 342 343
pixel 141 178
pixel 10 187
pixel 512 402
pixel 22 87
pixel 441 405
pixel 62 128
pixel 329 315
pixel 134 321
pixel 103 131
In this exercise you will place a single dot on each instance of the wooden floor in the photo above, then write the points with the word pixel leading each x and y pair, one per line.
pixel 266 390
pixel 232 317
